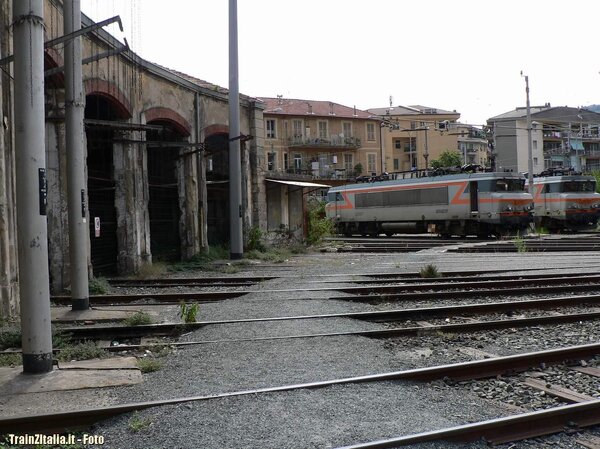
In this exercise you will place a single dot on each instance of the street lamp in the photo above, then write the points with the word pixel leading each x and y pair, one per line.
pixel 529 145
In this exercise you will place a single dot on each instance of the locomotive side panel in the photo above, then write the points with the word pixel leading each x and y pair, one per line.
pixel 446 206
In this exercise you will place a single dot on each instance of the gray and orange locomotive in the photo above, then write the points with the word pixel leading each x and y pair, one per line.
pixel 481 204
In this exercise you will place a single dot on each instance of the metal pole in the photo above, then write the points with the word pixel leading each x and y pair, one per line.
pixel 32 237
pixel 236 246
pixel 76 186
pixel 529 149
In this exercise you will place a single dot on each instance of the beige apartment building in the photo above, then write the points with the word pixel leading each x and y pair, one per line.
pixel 413 136
pixel 308 139
pixel 472 144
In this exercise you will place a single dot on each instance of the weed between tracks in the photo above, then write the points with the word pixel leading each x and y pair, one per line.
pixel 98 286
pixel 149 364
pixel 139 318
pixel 188 312
pixel 81 351
pixel 137 423
pixel 430 271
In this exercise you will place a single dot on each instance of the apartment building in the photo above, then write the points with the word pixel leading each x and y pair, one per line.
pixel 308 139
pixel 560 137
pixel 415 135
pixel 472 144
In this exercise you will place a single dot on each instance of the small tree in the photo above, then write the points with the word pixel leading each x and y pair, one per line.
pixel 319 226
pixel 358 168
pixel 448 158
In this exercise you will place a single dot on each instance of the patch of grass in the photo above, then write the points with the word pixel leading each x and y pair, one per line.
pixel 98 286
pixel 228 269
pixel 149 364
pixel 161 350
pixel 137 423
pixel 274 255
pixel 60 339
pixel 188 312
pixel 10 338
pixel 139 318
pixel 520 244
pixel 202 261
pixel 81 351
pixel 11 360
pixel 430 271
pixel 152 270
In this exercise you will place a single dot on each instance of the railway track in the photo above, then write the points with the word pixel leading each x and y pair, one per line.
pixel 431 289
pixel 584 414
pixel 391 316
pixel 463 245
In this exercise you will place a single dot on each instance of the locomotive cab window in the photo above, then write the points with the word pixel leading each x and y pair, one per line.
pixel 501 185
pixel 334 196
pixel 570 187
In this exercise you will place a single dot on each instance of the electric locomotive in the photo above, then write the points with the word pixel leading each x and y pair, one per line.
pixel 481 204
pixel 565 200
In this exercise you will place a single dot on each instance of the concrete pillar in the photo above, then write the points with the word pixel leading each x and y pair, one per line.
pixel 189 223
pixel 58 235
pixel 256 161
pixel 131 204
pixel 9 287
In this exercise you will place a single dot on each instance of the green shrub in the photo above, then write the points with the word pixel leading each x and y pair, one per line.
pixel 520 244
pixel 10 338
pixel 82 351
pixel 139 318
pixel 319 226
pixel 11 360
pixel 255 237
pixel 149 364
pixel 98 286
pixel 430 271
pixel 202 261
pixel 188 312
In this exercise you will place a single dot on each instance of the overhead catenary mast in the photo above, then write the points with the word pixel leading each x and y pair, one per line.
pixel 76 187
pixel 236 246
pixel 32 237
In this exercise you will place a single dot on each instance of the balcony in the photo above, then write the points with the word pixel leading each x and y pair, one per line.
pixel 308 174
pixel 334 142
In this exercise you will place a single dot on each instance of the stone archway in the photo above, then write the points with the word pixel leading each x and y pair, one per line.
pixel 104 103
pixel 169 203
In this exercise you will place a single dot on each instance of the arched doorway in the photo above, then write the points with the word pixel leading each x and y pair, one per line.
pixel 101 186
pixel 217 187
pixel 163 190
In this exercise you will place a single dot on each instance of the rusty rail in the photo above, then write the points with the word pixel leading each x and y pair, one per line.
pixel 57 422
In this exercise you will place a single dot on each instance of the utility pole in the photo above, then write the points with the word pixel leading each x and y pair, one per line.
pixel 32 237
pixel 76 187
pixel 529 148
pixel 236 245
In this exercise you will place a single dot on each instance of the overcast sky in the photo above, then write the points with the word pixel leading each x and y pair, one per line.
pixel 463 55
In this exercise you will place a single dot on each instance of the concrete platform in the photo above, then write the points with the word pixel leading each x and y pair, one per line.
pixel 98 314
pixel 66 315
pixel 111 372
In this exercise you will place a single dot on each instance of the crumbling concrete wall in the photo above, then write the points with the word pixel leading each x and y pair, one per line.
pixel 9 289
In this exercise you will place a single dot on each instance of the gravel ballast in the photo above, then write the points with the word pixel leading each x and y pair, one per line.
pixel 338 415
